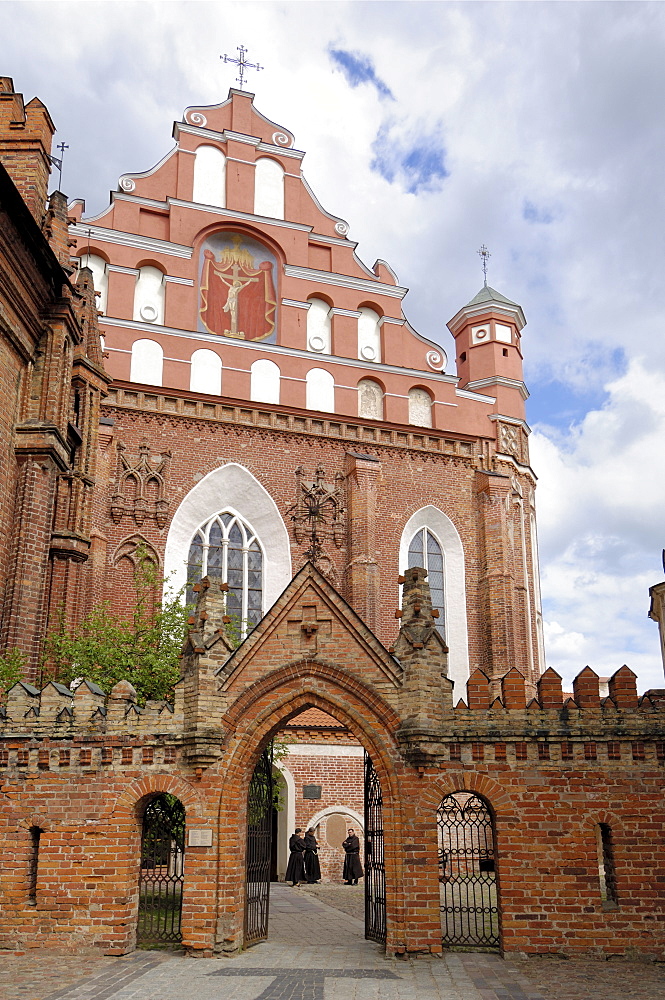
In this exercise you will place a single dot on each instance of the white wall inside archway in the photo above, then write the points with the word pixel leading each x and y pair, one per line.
pixel 448 537
pixel 234 488
pixel 286 818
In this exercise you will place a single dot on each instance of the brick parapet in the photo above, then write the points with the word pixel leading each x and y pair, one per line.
pixel 54 713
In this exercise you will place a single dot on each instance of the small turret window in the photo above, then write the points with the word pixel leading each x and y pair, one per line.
pixel 425 551
pixel 227 549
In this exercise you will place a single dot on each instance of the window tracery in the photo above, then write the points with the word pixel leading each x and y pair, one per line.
pixel 226 548
pixel 426 552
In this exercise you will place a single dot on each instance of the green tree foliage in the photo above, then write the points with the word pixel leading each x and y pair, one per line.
pixel 12 668
pixel 143 648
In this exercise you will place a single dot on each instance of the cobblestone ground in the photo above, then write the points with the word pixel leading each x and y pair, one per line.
pixel 348 899
pixel 317 951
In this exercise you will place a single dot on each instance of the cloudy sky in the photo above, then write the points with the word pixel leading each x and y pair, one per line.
pixel 535 128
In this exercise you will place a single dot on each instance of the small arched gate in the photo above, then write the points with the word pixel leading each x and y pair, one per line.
pixel 260 800
pixel 467 872
pixel 162 872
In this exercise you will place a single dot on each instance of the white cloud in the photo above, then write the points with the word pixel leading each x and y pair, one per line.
pixel 600 502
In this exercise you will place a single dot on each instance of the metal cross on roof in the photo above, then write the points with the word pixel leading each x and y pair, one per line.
pixel 57 161
pixel 484 255
pixel 241 63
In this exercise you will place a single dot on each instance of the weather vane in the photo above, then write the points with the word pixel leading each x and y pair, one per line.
pixel 57 161
pixel 484 255
pixel 241 63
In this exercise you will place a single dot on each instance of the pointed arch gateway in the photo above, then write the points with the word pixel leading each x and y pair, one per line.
pixel 381 813
pixel 265 686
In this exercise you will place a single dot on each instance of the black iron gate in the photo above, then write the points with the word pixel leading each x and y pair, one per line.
pixel 467 876
pixel 259 838
pixel 162 873
pixel 375 870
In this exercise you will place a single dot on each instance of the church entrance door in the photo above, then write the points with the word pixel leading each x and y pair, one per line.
pixel 259 850
pixel 375 870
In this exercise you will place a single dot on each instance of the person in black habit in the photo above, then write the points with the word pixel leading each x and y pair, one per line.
pixel 295 870
pixel 353 870
pixel 312 866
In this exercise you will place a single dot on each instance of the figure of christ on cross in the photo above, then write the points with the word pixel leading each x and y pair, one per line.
pixel 237 299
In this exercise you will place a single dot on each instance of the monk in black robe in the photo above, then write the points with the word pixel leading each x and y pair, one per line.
pixel 353 870
pixel 312 866
pixel 295 870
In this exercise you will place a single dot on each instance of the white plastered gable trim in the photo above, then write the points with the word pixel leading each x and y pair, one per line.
pixel 233 488
pixel 454 581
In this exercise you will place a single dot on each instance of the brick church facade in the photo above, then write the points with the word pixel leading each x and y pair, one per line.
pixel 252 408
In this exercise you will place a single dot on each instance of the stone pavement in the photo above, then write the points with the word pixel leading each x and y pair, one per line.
pixel 317 952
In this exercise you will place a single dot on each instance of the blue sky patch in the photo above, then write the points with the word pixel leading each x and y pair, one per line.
pixel 534 213
pixel 358 69
pixel 560 404
pixel 418 165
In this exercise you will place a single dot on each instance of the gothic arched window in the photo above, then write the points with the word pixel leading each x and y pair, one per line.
pixel 425 551
pixel 226 548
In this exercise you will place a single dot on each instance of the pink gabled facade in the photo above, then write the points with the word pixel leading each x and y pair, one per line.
pixel 157 219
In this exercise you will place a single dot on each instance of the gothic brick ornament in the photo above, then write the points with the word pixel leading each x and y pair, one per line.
pixel 140 486
pixel 510 440
pixel 426 692
pixel 319 516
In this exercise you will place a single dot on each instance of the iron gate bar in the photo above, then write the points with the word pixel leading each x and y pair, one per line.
pixel 375 870
pixel 162 874
pixel 258 853
pixel 467 876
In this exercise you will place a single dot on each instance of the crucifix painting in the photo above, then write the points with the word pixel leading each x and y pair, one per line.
pixel 238 298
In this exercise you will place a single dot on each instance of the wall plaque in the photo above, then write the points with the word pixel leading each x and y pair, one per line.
pixel 200 838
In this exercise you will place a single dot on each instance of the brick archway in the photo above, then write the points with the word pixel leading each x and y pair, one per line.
pixel 124 807
pixel 496 797
pixel 259 713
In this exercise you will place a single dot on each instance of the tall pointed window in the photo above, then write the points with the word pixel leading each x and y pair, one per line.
pixel 425 551
pixel 227 549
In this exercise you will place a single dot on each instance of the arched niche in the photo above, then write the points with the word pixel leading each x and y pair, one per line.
pixel 269 188
pixel 369 335
pixel 209 177
pixel 231 487
pixel 100 278
pixel 264 381
pixel 370 399
pixel 420 407
pixel 318 326
pixel 149 295
pixel 320 390
pixel 206 372
pixel 454 573
pixel 147 362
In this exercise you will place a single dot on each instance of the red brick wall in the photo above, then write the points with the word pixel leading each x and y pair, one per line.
pixel 548 774
pixel 409 479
